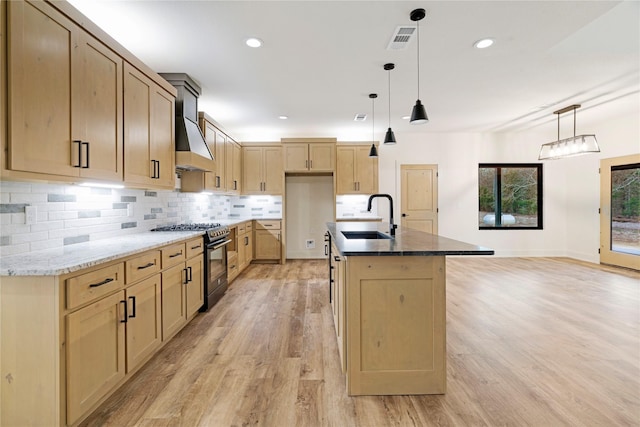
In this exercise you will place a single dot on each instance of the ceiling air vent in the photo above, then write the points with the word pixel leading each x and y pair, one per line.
pixel 361 117
pixel 401 37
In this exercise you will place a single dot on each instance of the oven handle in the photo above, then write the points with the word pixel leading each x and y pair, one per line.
pixel 215 246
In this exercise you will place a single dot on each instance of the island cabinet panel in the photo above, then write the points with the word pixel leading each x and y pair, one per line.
pixel 395 325
pixel 65 94
pixel 337 289
pixel 95 353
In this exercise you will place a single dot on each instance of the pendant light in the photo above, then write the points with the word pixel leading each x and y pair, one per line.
pixel 389 138
pixel 569 147
pixel 418 114
pixel 374 151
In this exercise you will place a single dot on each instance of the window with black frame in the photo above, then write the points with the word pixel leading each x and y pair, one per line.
pixel 510 196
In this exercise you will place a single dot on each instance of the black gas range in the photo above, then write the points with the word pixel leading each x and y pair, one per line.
pixel 216 238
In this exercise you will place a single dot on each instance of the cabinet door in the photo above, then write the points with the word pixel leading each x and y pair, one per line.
pixel 221 164
pixel 95 353
pixel 237 168
pixel 144 333
pixel 173 303
pixel 267 245
pixel 41 55
pixel 345 170
pixel 252 170
pixel 242 251
pixel 195 287
pixel 322 157
pixel 162 137
pixel 249 249
pixel 296 157
pixel 233 153
pixel 97 112
pixel 138 168
pixel 273 177
pixel 366 171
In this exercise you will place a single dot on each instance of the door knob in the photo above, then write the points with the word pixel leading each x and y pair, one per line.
pixel 404 214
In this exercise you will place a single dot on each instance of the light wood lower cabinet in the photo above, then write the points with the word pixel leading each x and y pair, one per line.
pixel 95 353
pixel 68 342
pixel 268 240
pixel 337 289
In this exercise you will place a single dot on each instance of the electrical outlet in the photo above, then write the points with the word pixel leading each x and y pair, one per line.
pixel 129 209
pixel 310 243
pixel 30 215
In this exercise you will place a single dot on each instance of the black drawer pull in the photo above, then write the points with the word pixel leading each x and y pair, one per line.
pixel 175 255
pixel 87 157
pixel 142 267
pixel 196 247
pixel 104 282
pixel 76 141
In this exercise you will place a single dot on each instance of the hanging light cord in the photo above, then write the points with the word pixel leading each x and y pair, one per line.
pixel 373 119
pixel 389 73
pixel 418 35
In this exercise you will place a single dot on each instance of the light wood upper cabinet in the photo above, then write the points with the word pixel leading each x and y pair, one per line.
pixel 263 170
pixel 65 92
pixel 148 132
pixel 233 170
pixel 309 157
pixel 356 172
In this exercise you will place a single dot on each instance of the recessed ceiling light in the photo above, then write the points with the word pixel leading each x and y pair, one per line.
pixel 254 42
pixel 484 43
pixel 360 117
pixel 283 117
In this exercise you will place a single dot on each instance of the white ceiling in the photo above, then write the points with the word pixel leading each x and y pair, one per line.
pixel 321 59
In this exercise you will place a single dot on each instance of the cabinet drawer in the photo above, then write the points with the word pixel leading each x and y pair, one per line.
pixel 174 254
pixel 268 225
pixel 195 247
pixel 143 266
pixel 249 226
pixel 242 228
pixel 94 284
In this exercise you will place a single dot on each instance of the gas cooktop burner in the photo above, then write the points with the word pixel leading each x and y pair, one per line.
pixel 189 227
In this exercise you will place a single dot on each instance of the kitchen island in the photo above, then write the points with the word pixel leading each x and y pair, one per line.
pixel 388 296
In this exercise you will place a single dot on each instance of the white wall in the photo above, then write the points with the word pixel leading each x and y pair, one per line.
pixel 571 186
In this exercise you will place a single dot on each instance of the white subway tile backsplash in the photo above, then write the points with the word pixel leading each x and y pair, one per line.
pixel 68 214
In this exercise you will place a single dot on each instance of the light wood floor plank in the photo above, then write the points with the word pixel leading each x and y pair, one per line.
pixel 530 342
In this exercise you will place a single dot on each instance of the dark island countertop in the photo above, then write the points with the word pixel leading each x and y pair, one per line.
pixel 406 242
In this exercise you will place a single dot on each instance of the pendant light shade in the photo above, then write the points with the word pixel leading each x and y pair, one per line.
pixel 418 114
pixel 389 137
pixel 373 152
pixel 569 147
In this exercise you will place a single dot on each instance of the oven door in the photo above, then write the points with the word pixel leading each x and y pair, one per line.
pixel 215 283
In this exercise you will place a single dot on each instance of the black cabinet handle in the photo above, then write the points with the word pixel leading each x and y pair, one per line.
pixel 196 247
pixel 124 303
pixel 158 175
pixel 336 258
pixel 190 279
pixel 246 240
pixel 133 300
pixel 142 267
pixel 326 249
pixel 404 214
pixel 104 282
pixel 175 255
pixel 77 141
pixel 87 156
pixel 217 181
pixel 235 184
pixel 186 276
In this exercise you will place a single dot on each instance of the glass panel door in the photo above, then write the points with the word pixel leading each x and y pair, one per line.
pixel 620 211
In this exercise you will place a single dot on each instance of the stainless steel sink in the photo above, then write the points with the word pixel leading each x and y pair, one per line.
pixel 365 235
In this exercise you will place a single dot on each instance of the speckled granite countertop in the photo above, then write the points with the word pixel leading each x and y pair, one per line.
pixel 57 261
pixel 406 242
